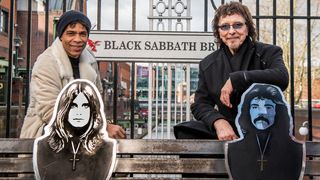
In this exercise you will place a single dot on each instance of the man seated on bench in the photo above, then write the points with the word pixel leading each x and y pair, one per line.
pixel 65 60
pixel 227 72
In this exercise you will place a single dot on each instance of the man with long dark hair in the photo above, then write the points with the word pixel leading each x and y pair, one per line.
pixel 76 144
pixel 266 148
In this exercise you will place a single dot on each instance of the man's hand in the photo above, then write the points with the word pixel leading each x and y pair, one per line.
pixel 116 131
pixel 225 93
pixel 224 130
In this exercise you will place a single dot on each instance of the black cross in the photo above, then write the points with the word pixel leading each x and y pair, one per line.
pixel 74 161
pixel 261 161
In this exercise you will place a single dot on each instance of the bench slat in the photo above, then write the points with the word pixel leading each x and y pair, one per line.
pixel 145 165
pixel 170 166
pixel 164 178
pixel 16 146
pixel 173 147
pixel 142 146
pixel 17 178
pixel 313 148
pixel 312 168
pixel 16 165
pixel 134 165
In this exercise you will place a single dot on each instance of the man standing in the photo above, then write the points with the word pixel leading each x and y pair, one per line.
pixel 65 60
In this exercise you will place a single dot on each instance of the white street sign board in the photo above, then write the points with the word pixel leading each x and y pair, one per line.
pixel 150 46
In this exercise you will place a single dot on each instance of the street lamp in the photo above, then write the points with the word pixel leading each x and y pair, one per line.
pixel 17 44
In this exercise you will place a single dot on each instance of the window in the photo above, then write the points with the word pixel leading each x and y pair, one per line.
pixel 58 4
pixel 4 21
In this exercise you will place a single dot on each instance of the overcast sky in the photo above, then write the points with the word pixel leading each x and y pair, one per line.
pixel 125 13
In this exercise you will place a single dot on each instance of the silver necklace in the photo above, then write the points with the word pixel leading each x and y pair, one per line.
pixel 262 160
pixel 74 159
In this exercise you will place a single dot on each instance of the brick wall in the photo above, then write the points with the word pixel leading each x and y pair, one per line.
pixel 4 46
pixel 38 33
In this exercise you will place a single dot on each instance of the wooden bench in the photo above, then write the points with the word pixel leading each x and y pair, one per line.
pixel 149 159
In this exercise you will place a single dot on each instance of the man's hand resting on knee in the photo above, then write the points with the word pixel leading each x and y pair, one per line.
pixel 116 131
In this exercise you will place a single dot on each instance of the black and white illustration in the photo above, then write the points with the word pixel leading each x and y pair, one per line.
pixel 76 144
pixel 266 148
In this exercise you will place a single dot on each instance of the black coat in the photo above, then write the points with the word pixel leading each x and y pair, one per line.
pixel 264 64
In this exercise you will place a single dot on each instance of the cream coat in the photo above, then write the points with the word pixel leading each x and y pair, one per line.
pixel 50 73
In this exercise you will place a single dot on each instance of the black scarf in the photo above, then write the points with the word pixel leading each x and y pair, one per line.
pixel 239 61
pixel 75 67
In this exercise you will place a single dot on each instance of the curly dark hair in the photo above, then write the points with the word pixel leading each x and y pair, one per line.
pixel 231 9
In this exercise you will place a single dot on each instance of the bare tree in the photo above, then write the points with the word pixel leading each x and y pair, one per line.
pixel 299 41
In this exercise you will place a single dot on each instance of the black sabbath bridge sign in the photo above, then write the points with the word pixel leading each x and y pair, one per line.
pixel 152 46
